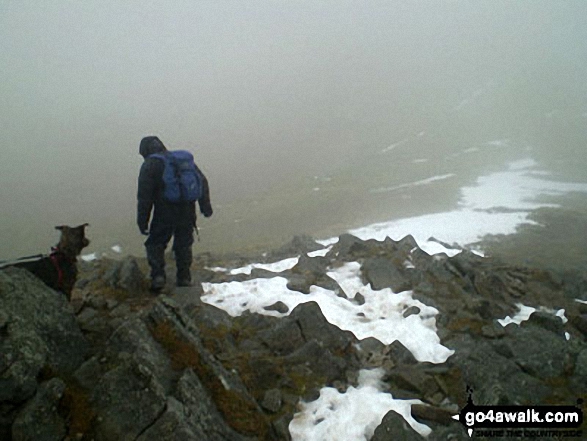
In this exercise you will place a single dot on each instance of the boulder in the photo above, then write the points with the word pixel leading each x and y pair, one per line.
pixel 394 427
pixel 39 331
pixel 39 419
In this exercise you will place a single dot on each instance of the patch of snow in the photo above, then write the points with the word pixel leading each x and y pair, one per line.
pixel 117 249
pixel 394 145
pixel 275 267
pixel 319 253
pixel 413 184
pixel 379 317
pixel 89 257
pixel 496 205
pixel 525 312
pixel 353 415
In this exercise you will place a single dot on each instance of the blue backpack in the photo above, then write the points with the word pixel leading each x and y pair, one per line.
pixel 181 178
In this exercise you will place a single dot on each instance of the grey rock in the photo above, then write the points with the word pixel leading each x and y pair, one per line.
pixel 284 337
pixel 412 310
pixel 34 337
pixel 319 360
pixel 382 273
pixel 128 400
pixel 272 400
pixel 299 245
pixel 546 321
pixel 39 420
pixel 581 366
pixel 314 326
pixel 277 306
pixel 172 425
pixel 200 411
pixel 394 427
pixel 400 354
pixel 125 274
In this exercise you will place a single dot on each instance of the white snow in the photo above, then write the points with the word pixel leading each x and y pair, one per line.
pixel 117 249
pixel 497 204
pixel 380 316
pixel 319 253
pixel 525 312
pixel 275 267
pixel 413 184
pixel 353 415
pixel 89 257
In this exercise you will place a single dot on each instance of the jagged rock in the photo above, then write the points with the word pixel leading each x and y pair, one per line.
pixel 382 273
pixel 494 330
pixel 314 326
pixel 128 400
pixel 126 275
pixel 424 413
pixel 546 321
pixel 39 419
pixel 284 337
pixel 412 310
pixel 412 380
pixel 400 354
pixel 299 245
pixel 39 332
pixel 581 366
pixel 201 412
pixel 272 400
pixel 277 306
pixel 320 360
pixel 537 351
pixel 394 427
pixel 349 248
pixel 371 352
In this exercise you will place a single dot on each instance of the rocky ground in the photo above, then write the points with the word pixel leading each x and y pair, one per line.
pixel 118 363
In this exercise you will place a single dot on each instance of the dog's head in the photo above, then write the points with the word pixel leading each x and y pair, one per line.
pixel 73 239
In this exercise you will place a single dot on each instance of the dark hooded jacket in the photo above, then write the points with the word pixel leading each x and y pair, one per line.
pixel 150 192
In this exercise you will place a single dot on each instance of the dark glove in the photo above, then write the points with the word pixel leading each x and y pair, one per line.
pixel 207 213
pixel 144 229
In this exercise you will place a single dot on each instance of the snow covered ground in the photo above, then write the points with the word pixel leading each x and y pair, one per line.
pixel 497 204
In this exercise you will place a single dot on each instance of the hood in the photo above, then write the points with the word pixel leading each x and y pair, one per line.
pixel 150 145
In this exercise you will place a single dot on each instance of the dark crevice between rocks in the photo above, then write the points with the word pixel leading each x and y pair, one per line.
pixel 155 420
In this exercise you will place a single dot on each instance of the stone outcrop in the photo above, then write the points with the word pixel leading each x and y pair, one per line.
pixel 119 363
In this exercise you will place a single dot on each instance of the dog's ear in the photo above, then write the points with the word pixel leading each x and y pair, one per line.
pixel 83 225
pixel 61 227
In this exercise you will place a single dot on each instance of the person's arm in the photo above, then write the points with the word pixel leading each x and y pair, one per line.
pixel 146 194
pixel 204 201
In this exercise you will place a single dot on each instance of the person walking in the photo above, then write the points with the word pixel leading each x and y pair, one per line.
pixel 169 184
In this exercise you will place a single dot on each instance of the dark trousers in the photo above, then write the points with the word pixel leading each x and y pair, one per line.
pixel 159 236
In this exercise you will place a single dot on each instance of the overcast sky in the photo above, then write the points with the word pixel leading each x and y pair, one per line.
pixel 259 90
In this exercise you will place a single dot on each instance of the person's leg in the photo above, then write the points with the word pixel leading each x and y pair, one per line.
pixel 182 247
pixel 156 243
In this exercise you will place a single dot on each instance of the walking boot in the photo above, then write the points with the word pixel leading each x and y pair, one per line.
pixel 157 284
pixel 183 260
pixel 156 259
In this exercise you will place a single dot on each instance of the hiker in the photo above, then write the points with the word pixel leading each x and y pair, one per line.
pixel 174 207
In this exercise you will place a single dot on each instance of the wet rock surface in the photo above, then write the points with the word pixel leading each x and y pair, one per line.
pixel 120 363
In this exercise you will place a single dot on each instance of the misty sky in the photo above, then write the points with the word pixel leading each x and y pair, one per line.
pixel 260 91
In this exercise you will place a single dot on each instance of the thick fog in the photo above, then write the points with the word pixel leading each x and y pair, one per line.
pixel 294 110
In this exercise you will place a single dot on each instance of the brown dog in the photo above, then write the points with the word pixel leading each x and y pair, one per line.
pixel 59 269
